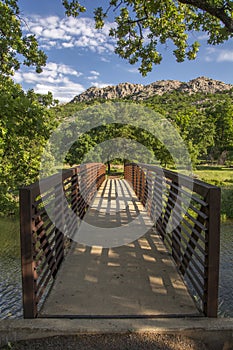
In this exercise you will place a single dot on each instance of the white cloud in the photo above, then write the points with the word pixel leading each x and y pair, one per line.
pixel 50 21
pixel 225 55
pixel 37 30
pixel 94 75
pixel 110 47
pixel 68 45
pixel 64 93
pixel 55 78
pixel 64 69
pixel 104 59
pixel 133 70
pixel 99 85
pixel 203 36
pixel 94 72
pixel 55 32
pixel 218 55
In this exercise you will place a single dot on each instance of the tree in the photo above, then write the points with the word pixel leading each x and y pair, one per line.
pixel 221 116
pixel 197 131
pixel 25 119
pixel 15 48
pixel 116 140
pixel 25 125
pixel 141 25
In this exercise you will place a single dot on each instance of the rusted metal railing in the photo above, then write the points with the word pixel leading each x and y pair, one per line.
pixel 186 214
pixel 46 216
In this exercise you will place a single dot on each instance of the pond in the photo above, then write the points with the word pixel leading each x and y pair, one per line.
pixel 10 270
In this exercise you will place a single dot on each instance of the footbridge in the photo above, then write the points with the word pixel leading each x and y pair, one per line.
pixel 142 246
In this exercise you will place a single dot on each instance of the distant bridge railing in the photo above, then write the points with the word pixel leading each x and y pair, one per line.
pixel 42 238
pixel 186 214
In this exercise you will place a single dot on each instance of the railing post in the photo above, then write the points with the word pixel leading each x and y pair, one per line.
pixel 27 262
pixel 212 253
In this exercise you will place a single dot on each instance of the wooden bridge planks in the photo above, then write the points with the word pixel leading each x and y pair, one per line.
pixel 136 279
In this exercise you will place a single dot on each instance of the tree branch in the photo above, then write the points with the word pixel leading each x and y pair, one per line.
pixel 218 12
pixel 139 20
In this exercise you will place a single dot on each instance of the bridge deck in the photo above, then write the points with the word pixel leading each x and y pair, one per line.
pixel 138 278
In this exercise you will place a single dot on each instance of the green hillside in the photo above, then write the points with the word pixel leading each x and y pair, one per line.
pixel 205 122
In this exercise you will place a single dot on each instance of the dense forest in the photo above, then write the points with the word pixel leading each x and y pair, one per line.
pixel 205 122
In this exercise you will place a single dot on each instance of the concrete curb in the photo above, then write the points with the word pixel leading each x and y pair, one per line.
pixel 216 334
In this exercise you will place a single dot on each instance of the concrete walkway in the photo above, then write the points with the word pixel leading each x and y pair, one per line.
pixel 134 279
pixel 94 334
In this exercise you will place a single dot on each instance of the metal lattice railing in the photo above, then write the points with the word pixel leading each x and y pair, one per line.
pixel 186 214
pixel 47 211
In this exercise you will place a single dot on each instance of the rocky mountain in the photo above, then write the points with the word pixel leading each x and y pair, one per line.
pixel 141 92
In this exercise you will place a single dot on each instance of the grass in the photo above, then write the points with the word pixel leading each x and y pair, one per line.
pixel 216 175
pixel 222 177
pixel 9 237
pixel 117 170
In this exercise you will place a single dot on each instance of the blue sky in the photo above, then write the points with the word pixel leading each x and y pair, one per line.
pixel 80 56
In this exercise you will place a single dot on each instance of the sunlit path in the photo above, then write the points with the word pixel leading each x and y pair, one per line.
pixel 138 278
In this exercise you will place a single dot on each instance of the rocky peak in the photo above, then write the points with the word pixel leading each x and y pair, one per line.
pixel 205 85
pixel 141 92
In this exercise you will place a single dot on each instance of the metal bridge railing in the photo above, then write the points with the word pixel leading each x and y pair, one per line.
pixel 186 214
pixel 43 238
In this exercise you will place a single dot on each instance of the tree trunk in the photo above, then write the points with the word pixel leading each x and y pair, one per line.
pixel 223 157
pixel 109 167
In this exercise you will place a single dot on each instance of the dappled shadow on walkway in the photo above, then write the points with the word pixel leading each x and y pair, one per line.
pixel 135 279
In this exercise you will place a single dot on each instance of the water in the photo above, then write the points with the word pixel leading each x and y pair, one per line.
pixel 10 270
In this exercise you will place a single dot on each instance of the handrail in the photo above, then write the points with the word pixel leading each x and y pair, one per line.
pixel 42 239
pixel 191 233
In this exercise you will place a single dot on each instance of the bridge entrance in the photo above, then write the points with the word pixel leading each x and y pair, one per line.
pixel 149 274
